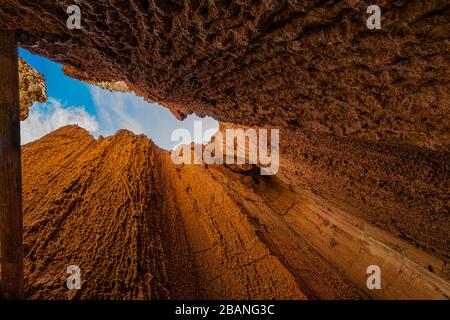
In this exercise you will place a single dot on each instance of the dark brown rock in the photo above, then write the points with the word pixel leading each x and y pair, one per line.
pixel 308 65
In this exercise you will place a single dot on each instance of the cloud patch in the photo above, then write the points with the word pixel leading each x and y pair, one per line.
pixel 110 112
pixel 117 111
pixel 47 117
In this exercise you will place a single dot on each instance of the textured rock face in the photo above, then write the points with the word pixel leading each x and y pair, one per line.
pixel 119 209
pixel 141 227
pixel 309 65
pixel 114 86
pixel 32 88
pixel 365 141
pixel 402 189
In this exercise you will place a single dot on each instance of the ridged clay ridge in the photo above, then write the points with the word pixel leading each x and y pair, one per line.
pixel 140 227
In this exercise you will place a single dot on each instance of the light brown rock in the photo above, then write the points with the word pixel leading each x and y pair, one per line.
pixel 32 88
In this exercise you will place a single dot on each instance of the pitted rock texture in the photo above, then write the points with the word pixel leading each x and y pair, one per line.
pixel 401 189
pixel 309 65
pixel 113 86
pixel 365 143
pixel 32 88
pixel 140 227
pixel 103 205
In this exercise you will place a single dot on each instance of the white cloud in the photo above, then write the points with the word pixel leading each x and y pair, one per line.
pixel 117 111
pixel 112 111
pixel 45 118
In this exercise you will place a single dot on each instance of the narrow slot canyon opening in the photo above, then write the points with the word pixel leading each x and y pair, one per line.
pixel 297 222
pixel 362 182
pixel 102 109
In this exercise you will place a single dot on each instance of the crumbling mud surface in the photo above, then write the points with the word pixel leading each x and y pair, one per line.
pixel 309 65
pixel 365 145
pixel 402 189
pixel 141 227
pixel 113 86
pixel 102 205
pixel 32 88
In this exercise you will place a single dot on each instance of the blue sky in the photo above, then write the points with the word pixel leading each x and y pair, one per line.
pixel 97 110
